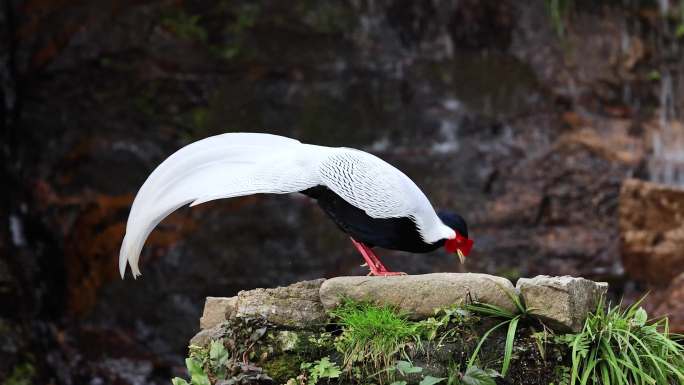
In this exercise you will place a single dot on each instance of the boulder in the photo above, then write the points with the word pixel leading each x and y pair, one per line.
pixel 297 305
pixel 561 302
pixel 652 231
pixel 420 295
pixel 217 310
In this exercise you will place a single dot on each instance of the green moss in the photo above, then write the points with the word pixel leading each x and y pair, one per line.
pixel 282 367
pixel 287 340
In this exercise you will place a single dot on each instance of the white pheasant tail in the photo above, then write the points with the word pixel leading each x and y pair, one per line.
pixel 238 164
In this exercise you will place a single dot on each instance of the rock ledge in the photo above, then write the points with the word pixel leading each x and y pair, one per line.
pixel 420 295
pixel 561 302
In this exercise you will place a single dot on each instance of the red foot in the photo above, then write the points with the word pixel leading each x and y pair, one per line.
pixel 376 267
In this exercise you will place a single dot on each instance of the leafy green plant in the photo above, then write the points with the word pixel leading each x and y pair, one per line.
pixel 218 356
pixel 444 323
pixel 203 361
pixel 562 374
pixel 322 368
pixel 511 319
pixel 372 336
pixel 196 371
pixel 407 368
pixel 622 347
pixel 429 380
pixel 472 376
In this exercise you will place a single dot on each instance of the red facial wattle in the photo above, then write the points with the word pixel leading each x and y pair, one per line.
pixel 459 243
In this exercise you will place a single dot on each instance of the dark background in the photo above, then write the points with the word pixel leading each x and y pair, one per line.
pixel 525 117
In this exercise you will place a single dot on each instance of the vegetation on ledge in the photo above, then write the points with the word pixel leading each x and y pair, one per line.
pixel 473 344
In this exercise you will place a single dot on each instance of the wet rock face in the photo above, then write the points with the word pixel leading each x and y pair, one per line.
pixel 482 25
pixel 670 302
pixel 652 231
pixel 479 102
pixel 420 295
pixel 652 244
pixel 561 302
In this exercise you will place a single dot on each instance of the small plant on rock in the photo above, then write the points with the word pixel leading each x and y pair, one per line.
pixel 323 368
pixel 509 318
pixel 476 376
pixel 406 368
pixel 373 336
pixel 204 363
pixel 207 365
pixel 196 372
pixel 445 324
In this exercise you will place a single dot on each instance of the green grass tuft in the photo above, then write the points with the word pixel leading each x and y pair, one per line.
pixel 509 318
pixel 621 347
pixel 373 336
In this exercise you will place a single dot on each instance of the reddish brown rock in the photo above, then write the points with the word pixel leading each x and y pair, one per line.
pixel 652 231
pixel 671 304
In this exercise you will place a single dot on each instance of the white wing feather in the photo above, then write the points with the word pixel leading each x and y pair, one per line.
pixel 238 164
pixel 381 190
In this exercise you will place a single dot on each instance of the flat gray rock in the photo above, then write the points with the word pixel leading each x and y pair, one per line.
pixel 561 302
pixel 420 295
pixel 297 305
pixel 217 310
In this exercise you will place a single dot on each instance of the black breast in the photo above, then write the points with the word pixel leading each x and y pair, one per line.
pixel 389 233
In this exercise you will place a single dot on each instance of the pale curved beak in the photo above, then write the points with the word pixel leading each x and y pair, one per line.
pixel 461 257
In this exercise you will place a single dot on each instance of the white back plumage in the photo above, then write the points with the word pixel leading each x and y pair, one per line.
pixel 238 164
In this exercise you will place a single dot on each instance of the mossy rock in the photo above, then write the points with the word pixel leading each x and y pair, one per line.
pixel 278 351
pixel 283 367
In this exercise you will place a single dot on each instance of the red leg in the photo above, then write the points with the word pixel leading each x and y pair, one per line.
pixel 376 267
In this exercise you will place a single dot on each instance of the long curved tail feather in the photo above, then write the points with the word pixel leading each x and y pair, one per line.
pixel 222 166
